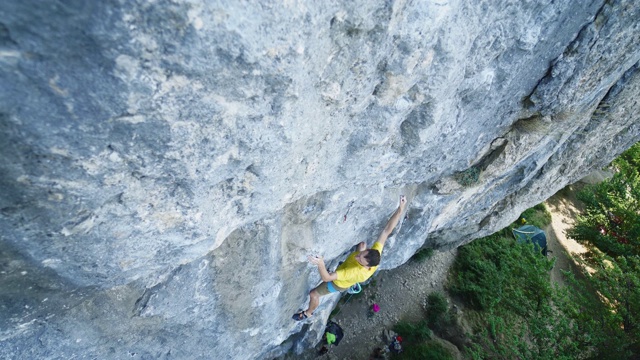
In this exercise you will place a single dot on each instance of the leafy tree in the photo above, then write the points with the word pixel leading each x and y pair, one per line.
pixel 610 229
pixel 521 314
pixel 611 219
pixel 487 270
pixel 608 304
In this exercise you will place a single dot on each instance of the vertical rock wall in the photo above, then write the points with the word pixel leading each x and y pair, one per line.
pixel 166 166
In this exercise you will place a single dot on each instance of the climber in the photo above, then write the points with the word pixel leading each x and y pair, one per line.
pixel 358 266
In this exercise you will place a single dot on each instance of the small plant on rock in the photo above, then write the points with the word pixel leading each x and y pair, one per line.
pixel 467 177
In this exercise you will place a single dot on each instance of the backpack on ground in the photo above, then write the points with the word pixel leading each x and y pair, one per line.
pixel 333 334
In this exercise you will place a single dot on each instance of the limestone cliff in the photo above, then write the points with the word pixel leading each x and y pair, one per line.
pixel 167 165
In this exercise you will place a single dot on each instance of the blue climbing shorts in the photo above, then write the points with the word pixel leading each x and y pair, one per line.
pixel 327 288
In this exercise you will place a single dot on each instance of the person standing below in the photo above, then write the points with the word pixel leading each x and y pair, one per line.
pixel 358 267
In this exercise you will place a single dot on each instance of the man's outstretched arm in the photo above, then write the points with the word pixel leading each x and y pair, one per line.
pixel 393 221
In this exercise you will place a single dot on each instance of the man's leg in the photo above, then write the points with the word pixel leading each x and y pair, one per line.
pixel 314 297
pixel 314 300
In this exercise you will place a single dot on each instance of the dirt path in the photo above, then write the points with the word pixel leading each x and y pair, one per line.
pixel 564 207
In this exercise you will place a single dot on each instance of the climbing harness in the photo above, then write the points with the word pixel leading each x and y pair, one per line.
pixel 355 289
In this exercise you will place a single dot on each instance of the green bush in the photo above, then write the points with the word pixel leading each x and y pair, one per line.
pixel 430 350
pixel 519 313
pixel 438 315
pixel 609 227
pixel 537 216
pixel 413 332
pixel 467 177
pixel 497 271
pixel 611 220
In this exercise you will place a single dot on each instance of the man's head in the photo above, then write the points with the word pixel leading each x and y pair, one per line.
pixel 369 257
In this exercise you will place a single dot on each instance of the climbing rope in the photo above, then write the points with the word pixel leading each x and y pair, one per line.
pixel 345 303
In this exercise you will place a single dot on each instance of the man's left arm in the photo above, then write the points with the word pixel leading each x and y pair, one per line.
pixel 322 269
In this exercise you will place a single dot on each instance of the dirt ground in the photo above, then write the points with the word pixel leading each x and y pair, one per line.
pixel 401 292
pixel 563 207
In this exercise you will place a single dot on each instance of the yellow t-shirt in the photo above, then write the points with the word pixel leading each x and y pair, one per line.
pixel 351 272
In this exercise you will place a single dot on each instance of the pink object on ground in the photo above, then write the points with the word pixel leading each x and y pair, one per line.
pixel 375 307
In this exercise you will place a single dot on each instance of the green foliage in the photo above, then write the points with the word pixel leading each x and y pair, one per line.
pixel 629 161
pixel 416 335
pixel 619 282
pixel 611 220
pixel 500 338
pixel 467 177
pixel 438 315
pixel 521 315
pixel 599 322
pixel 537 216
pixel 422 254
pixel 612 313
pixel 413 332
pixel 429 350
pixel 486 272
pixel 610 229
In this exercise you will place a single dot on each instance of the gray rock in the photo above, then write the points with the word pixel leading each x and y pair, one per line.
pixel 388 336
pixel 167 166
pixel 597 176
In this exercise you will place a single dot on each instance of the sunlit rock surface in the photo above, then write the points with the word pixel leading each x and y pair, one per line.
pixel 166 166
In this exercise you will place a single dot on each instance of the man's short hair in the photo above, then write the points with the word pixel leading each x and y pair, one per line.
pixel 373 257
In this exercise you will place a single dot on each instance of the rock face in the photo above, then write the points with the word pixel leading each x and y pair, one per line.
pixel 166 166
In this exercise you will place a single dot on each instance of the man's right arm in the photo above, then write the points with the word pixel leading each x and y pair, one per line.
pixel 393 221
